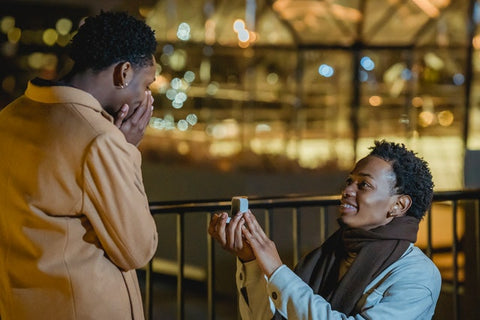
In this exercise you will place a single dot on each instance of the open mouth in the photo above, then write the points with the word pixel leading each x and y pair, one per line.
pixel 346 208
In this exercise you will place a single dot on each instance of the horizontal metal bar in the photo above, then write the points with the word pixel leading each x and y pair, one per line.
pixel 285 202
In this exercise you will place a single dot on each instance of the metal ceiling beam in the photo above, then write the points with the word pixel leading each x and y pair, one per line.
pixel 383 20
pixel 286 23
pixel 429 23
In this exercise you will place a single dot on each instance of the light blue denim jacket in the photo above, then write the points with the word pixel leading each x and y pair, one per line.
pixel 407 289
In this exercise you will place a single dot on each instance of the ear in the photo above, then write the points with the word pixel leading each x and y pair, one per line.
pixel 122 74
pixel 401 206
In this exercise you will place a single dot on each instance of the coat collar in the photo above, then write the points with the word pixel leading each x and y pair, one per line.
pixel 56 92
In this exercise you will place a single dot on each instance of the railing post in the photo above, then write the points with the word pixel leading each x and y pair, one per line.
pixel 477 244
pixel 295 235
pixel 323 225
pixel 429 233
pixel 148 291
pixel 455 260
pixel 210 273
pixel 181 264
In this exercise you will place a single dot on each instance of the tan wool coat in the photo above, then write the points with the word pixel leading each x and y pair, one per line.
pixel 74 217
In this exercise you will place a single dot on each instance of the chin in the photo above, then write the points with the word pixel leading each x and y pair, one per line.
pixel 344 220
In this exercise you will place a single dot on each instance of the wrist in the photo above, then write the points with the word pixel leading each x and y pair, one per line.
pixel 271 269
pixel 247 259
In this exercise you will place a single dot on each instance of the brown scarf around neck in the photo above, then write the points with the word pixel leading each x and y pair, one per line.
pixel 375 249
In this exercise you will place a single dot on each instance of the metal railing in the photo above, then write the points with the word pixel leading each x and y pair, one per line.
pixel 295 204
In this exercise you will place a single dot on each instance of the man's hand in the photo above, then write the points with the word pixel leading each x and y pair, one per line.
pixel 230 236
pixel 135 125
pixel 264 249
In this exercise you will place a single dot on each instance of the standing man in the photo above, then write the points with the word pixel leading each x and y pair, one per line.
pixel 74 217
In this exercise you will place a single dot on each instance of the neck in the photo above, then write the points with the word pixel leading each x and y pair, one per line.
pixel 92 82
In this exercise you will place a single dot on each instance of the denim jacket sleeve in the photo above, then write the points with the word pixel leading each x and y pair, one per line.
pixel 400 292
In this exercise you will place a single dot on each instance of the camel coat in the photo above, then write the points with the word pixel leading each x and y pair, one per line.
pixel 74 217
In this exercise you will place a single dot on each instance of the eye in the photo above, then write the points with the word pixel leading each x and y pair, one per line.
pixel 364 185
pixel 348 181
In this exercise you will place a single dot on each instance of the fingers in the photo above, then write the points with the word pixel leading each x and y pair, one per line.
pixel 120 116
pixel 212 224
pixel 253 225
pixel 263 248
pixel 229 236
pixel 142 114
pixel 234 233
pixel 135 125
pixel 216 227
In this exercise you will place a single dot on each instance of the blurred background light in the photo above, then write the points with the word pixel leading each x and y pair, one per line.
pixel 7 23
pixel 445 118
pixel 325 70
pixel 189 76
pixel 458 79
pixel 64 26
pixel 192 119
pixel 182 125
pixel 50 36
pixel 367 63
pixel 183 32
pixel 14 35
pixel 375 101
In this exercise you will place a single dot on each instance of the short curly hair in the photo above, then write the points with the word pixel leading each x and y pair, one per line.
pixel 413 176
pixel 112 37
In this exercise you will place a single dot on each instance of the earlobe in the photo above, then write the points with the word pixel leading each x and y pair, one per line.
pixel 121 74
pixel 403 204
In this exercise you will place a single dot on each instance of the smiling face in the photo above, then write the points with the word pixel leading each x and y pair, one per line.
pixel 368 195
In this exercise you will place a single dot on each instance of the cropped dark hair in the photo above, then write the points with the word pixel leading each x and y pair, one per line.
pixel 112 37
pixel 413 177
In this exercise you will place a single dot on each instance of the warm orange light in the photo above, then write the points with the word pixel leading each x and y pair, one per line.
pixel 427 7
pixel 476 42
pixel 445 118
pixel 417 102
pixel 426 118
pixel 375 101
pixel 243 45
pixel 210 31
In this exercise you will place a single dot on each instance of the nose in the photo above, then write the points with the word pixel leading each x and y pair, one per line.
pixel 349 191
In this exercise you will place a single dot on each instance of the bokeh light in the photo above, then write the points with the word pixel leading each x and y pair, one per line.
pixel 182 125
pixel 426 118
pixel 14 35
pixel 326 70
pixel 367 63
pixel 192 119
pixel 445 118
pixel 7 23
pixel 50 36
pixel 417 102
pixel 375 101
pixel 189 76
pixel 64 26
pixel 272 78
pixel 458 79
pixel 183 31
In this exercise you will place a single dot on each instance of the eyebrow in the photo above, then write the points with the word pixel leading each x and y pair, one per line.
pixel 363 174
